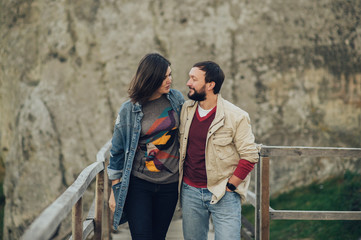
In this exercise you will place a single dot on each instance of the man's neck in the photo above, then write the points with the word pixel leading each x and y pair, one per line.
pixel 210 102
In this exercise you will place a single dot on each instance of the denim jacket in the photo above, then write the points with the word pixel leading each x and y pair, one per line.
pixel 126 134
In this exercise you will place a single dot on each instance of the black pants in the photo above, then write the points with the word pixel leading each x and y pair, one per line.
pixel 149 208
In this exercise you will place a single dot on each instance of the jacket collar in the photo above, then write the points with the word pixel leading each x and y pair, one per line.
pixel 137 107
pixel 219 118
pixel 220 109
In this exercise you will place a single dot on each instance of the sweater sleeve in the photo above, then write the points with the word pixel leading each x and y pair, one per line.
pixel 243 169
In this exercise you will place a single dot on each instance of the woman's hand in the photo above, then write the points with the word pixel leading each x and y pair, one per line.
pixel 112 198
pixel 112 201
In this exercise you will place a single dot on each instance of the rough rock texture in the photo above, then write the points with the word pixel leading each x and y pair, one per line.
pixel 295 66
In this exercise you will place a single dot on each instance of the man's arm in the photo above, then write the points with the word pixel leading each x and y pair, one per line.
pixel 244 142
pixel 243 169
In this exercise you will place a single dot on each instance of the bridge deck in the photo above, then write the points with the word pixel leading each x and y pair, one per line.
pixel 174 233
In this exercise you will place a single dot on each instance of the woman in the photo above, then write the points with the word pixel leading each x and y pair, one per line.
pixel 144 156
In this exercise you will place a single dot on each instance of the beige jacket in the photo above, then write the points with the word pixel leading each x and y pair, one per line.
pixel 229 139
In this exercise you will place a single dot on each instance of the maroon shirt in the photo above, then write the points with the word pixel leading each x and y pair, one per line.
pixel 195 173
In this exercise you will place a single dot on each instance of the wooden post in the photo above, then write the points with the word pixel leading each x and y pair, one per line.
pixel 265 220
pixel 99 204
pixel 77 221
pixel 257 208
pixel 106 217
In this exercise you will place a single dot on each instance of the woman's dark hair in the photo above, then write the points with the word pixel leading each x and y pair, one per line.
pixel 213 72
pixel 149 77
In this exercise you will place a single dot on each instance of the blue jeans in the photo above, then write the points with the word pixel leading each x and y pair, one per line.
pixel 149 208
pixel 196 210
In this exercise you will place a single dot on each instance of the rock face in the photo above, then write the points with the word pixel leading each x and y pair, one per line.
pixel 295 66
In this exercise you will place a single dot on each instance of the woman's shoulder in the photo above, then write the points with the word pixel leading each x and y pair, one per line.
pixel 176 93
pixel 126 106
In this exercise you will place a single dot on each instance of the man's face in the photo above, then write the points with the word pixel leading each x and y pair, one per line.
pixel 197 84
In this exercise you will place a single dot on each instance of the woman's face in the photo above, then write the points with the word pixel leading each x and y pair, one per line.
pixel 166 84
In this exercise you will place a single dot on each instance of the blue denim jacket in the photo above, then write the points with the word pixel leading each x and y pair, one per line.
pixel 124 145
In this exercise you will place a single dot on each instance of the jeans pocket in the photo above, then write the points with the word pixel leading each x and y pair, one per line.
pixel 185 186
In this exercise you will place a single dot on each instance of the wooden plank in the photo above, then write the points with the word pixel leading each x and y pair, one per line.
pixel 270 151
pixel 265 220
pixel 76 220
pixel 88 228
pixel 91 212
pixel 251 198
pixel 88 224
pixel 46 224
pixel 99 198
pixel 104 151
pixel 257 211
pixel 315 215
pixel 247 232
pixel 107 224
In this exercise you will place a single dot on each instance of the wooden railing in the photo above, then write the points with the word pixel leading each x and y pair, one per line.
pixel 98 220
pixel 45 226
pixel 264 213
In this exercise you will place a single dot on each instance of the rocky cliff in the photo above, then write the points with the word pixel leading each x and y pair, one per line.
pixel 65 66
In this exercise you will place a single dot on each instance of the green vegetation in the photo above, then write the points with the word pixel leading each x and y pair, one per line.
pixel 337 194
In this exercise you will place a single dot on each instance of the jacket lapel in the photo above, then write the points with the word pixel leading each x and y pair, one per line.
pixel 218 120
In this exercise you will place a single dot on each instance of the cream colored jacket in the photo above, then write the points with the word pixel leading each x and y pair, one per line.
pixel 229 139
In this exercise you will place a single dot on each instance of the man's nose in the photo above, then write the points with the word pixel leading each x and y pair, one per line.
pixel 189 83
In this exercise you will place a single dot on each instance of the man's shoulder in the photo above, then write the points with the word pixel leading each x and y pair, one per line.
pixel 231 109
pixel 188 103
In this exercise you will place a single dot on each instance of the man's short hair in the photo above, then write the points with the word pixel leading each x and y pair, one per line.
pixel 213 72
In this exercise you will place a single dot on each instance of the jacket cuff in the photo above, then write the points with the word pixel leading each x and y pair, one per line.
pixel 114 174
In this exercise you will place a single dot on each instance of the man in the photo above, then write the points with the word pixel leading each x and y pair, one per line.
pixel 217 151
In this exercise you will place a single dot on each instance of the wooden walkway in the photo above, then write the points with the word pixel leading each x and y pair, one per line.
pixel 47 223
pixel 175 231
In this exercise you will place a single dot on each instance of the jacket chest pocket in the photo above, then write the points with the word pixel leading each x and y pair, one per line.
pixel 223 145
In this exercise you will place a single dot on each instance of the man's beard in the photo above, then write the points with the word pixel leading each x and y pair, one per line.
pixel 198 96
